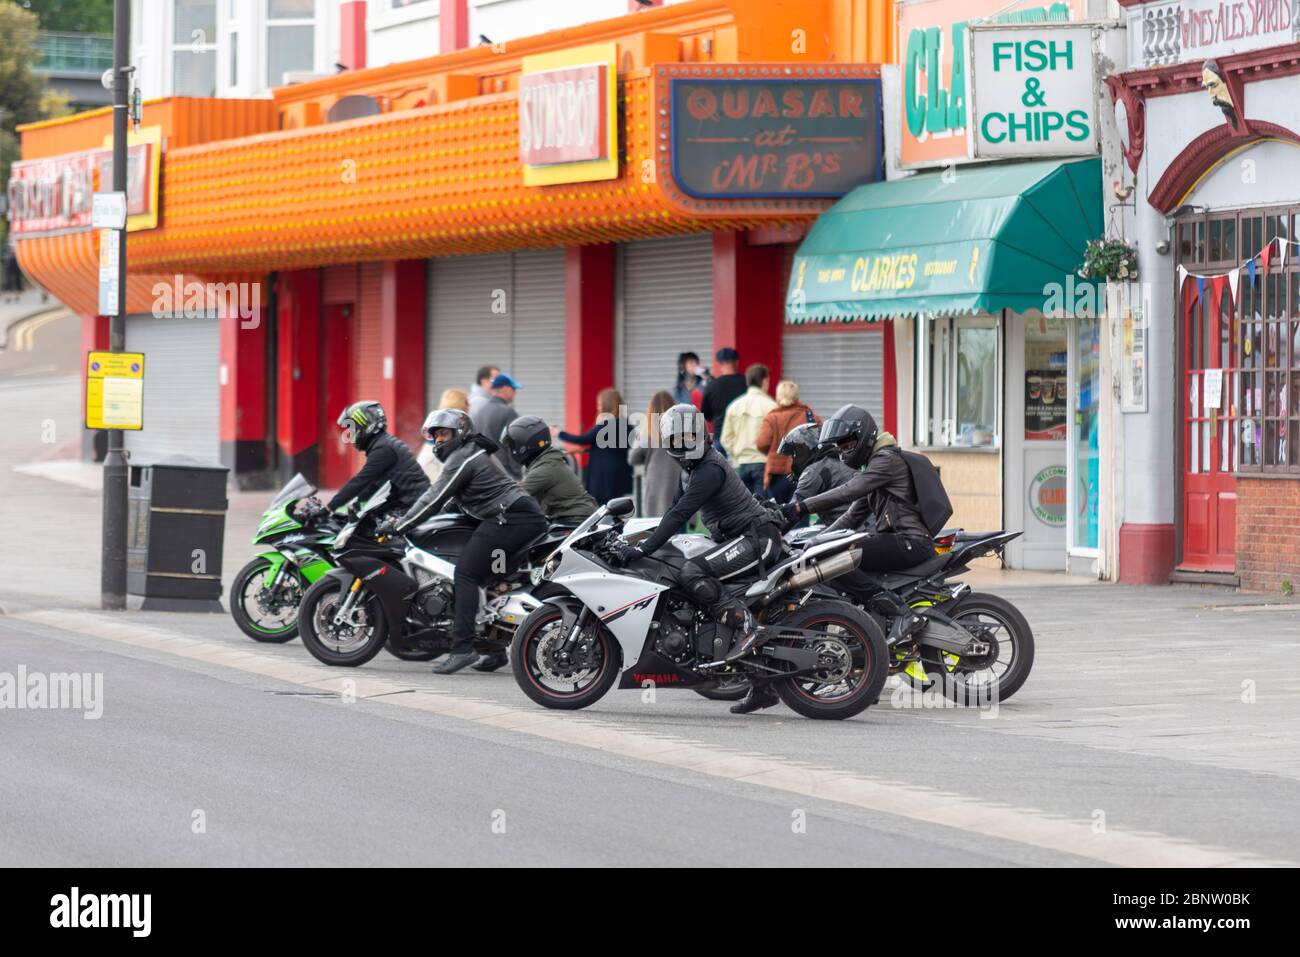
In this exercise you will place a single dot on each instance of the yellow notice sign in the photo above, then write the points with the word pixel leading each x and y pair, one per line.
pixel 115 390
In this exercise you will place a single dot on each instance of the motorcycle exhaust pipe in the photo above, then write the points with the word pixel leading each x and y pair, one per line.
pixel 818 572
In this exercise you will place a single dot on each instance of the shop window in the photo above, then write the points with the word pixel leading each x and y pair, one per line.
pixel 194 48
pixel 958 371
pixel 1267 322
pixel 290 39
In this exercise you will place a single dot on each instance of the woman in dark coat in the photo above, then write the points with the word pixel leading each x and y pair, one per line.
pixel 608 474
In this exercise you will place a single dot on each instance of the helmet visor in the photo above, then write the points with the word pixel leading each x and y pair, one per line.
pixel 838 431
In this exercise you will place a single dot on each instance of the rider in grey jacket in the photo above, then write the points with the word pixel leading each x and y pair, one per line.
pixel 509 518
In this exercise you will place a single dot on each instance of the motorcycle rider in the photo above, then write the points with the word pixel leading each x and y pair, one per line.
pixel 881 487
pixel 547 476
pixel 816 467
pixel 365 426
pixel 509 518
pixel 744 530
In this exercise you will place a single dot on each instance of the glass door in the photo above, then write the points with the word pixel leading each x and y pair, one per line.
pixel 1084 427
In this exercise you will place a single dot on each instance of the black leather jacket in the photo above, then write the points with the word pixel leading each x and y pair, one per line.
pixel 884 489
pixel 471 477
pixel 387 460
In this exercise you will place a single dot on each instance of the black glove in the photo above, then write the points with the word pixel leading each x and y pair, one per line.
pixel 791 512
pixel 386 526
pixel 626 554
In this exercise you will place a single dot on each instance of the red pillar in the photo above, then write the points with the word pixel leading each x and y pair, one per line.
pixel 588 331
pixel 352 34
pixel 402 304
pixel 243 384
pixel 297 371
pixel 748 301
pixel 889 400
pixel 94 338
pixel 453 25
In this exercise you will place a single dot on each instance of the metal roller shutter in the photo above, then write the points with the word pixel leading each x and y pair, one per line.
pixel 835 368
pixel 537 346
pixel 462 331
pixel 182 400
pixel 666 299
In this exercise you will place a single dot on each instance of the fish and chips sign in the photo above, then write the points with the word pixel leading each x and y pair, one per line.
pixel 568 102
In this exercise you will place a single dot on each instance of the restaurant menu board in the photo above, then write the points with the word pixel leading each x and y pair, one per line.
pixel 1046 398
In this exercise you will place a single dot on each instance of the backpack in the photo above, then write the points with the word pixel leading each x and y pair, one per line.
pixel 932 501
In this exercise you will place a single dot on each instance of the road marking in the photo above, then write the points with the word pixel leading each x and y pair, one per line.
pixel 1116 846
pixel 24 331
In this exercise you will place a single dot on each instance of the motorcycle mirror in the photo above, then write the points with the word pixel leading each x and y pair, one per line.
pixel 619 507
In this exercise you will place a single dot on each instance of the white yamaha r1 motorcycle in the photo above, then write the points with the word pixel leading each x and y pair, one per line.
pixel 826 659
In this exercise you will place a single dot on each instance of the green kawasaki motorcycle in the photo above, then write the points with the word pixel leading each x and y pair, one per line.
pixel 265 594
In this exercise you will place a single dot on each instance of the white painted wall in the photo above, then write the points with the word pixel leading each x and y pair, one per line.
pixel 394 34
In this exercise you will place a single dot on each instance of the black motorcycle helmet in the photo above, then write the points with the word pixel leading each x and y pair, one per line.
pixel 526 438
pixel 361 422
pixel 854 430
pixel 455 419
pixel 684 434
pixel 804 446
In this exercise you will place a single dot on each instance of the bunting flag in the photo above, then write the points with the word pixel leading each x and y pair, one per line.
pixel 1265 256
pixel 1250 268
pixel 1200 287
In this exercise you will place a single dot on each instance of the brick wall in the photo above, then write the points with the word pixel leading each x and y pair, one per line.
pixel 1268 533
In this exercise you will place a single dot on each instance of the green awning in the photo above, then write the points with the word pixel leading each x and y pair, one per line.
pixel 980 238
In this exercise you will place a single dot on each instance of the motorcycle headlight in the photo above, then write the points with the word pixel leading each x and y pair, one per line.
pixel 342 538
pixel 551 567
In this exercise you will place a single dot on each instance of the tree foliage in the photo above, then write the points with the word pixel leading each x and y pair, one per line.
pixel 24 97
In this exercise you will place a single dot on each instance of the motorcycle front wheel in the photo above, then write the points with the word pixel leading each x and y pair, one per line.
pixel 348 643
pixel 853 662
pixel 272 625
pixel 589 673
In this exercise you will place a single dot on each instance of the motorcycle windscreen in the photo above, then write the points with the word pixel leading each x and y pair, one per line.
pixel 298 487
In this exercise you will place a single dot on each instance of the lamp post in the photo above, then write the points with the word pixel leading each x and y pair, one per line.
pixel 113 572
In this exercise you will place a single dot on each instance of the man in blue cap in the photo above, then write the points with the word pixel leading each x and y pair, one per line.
pixel 495 414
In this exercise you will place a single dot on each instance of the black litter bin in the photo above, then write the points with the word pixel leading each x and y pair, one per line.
pixel 176 526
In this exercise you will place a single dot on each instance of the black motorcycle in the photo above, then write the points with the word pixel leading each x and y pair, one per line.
pixel 397 591
pixel 975 647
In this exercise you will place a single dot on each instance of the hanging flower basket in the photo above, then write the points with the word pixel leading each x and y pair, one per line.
pixel 1111 259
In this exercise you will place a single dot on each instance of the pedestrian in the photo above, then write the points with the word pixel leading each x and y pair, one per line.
pixel 481 390
pixel 13 275
pixel 609 474
pixel 778 477
pixel 727 385
pixel 495 414
pixel 691 379
pixel 432 465
pixel 741 424
pixel 662 475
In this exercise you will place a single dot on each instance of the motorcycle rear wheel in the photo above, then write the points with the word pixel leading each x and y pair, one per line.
pixel 856 663
pixel 1004 623
pixel 340 645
